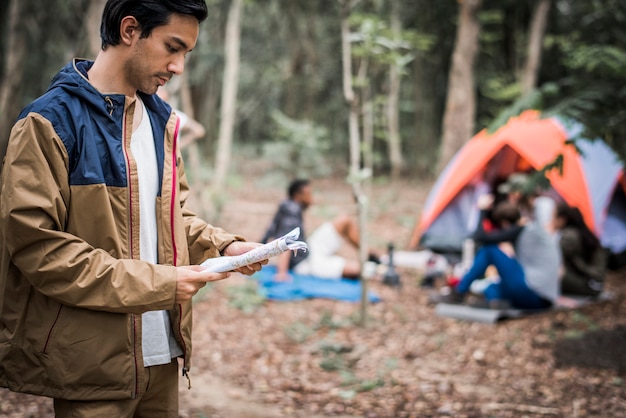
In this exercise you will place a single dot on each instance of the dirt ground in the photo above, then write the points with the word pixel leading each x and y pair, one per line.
pixel 311 359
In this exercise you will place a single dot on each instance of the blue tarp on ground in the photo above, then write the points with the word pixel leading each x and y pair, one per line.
pixel 308 287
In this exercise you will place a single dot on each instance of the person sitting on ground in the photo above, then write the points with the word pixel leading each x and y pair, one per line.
pixel 321 259
pixel 531 201
pixel 584 259
pixel 526 257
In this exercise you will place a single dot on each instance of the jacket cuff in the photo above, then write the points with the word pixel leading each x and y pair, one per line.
pixel 227 242
pixel 167 277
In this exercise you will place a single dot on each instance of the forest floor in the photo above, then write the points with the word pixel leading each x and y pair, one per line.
pixel 311 358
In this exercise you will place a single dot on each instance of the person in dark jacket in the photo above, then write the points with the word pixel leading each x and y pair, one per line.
pixel 525 256
pixel 584 259
pixel 321 260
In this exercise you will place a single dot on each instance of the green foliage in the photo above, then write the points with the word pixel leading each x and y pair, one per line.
pixel 377 47
pixel 500 89
pixel 332 362
pixel 291 62
pixel 526 102
pixel 348 378
pixel 582 320
pixel 298 332
pixel 373 38
pixel 538 180
pixel 503 37
pixel 347 394
pixel 491 17
pixel 584 71
pixel 333 356
pixel 327 321
pixel 329 347
pixel 248 298
pixel 603 60
pixel 50 39
pixel 368 385
pixel 299 147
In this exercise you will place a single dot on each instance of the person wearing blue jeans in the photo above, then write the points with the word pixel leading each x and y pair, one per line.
pixel 528 269
pixel 512 286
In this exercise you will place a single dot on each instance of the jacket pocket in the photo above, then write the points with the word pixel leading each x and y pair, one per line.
pixel 90 351
pixel 51 330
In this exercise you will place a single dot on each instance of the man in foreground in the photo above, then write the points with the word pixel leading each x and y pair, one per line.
pixel 97 242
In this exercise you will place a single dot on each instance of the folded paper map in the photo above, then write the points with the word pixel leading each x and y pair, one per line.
pixel 288 242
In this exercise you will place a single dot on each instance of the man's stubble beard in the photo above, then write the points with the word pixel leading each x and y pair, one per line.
pixel 138 76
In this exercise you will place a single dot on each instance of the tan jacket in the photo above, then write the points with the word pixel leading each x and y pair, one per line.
pixel 72 287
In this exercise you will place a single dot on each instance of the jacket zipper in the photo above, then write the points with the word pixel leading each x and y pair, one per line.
pixel 131 240
pixel 174 185
pixel 175 250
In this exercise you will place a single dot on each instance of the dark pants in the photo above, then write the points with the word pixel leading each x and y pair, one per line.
pixel 159 399
pixel 576 284
pixel 512 286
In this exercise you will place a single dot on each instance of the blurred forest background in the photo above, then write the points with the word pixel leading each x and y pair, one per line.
pixel 267 76
pixel 317 87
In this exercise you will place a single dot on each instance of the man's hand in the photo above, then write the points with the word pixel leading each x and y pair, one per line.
pixel 241 247
pixel 190 279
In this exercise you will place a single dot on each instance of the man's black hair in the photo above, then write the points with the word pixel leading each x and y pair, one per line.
pixel 296 187
pixel 149 13
pixel 506 212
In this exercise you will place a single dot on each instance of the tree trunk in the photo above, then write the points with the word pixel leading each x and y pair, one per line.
pixel 4 19
pixel 297 58
pixel 312 56
pixel 207 98
pixel 92 26
pixel 12 79
pixel 423 146
pixel 232 44
pixel 355 148
pixel 368 122
pixel 393 102
pixel 348 90
pixel 368 131
pixel 458 120
pixel 194 154
pixel 535 43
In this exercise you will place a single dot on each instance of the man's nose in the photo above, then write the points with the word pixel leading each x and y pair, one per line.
pixel 177 65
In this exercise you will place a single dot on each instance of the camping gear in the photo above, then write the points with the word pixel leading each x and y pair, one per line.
pixel 482 315
pixel 492 316
pixel 592 179
pixel 391 276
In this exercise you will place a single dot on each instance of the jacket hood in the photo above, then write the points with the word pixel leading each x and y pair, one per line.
pixel 74 79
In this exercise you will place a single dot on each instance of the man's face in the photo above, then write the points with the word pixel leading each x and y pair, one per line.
pixel 305 196
pixel 155 59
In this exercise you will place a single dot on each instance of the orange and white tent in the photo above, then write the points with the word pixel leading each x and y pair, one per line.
pixel 589 181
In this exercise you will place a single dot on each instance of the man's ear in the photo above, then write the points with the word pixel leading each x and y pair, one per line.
pixel 129 30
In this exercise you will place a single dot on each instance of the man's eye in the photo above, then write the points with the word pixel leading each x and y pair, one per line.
pixel 172 49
